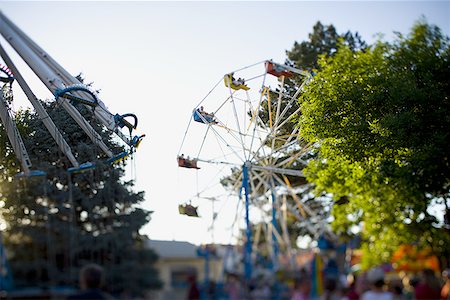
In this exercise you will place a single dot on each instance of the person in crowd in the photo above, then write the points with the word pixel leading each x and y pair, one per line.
pixel 261 291
pixel 361 284
pixel 193 292
pixel 302 289
pixel 352 294
pixel 211 291
pixel 428 287
pixel 396 287
pixel 91 282
pixel 331 289
pixel 233 287
pixel 375 278
pixel 445 291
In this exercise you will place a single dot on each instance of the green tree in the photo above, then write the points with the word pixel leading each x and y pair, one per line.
pixel 380 117
pixel 58 223
pixel 323 40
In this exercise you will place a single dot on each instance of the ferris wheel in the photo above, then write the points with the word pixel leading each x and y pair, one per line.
pixel 246 126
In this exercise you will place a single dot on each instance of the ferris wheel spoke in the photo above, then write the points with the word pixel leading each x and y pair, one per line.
pixel 285 231
pixel 288 118
pixel 283 214
pixel 301 205
pixel 247 67
pixel 287 138
pixel 307 224
pixel 204 98
pixel 217 162
pixel 257 236
pixel 284 147
pixel 288 161
pixel 292 135
pixel 278 236
pixel 238 126
pixel 239 210
pixel 269 107
pixel 283 113
pixel 227 144
pixel 224 155
pixel 237 185
pixel 302 208
pixel 280 97
pixel 261 182
pixel 221 148
pixel 278 118
pixel 255 115
pixel 280 170
pixel 203 141
pixel 231 132
pixel 223 103
pixel 257 118
pixel 260 147
pixel 300 217
pixel 212 182
pixel 185 134
pixel 255 188
pixel 261 156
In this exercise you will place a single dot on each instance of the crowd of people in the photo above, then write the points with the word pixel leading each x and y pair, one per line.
pixel 374 284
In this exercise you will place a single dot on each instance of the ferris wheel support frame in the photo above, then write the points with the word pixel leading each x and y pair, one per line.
pixel 275 248
pixel 248 231
pixel 248 265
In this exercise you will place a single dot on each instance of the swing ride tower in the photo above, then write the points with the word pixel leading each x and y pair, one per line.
pixel 69 93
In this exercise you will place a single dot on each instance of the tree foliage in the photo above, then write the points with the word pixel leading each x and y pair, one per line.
pixel 380 116
pixel 58 223
pixel 323 40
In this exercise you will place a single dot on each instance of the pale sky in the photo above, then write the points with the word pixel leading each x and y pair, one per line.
pixel 159 59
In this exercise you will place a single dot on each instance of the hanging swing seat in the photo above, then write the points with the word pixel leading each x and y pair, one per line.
pixel 31 173
pixel 82 168
pixel 136 141
pixel 118 158
pixel 187 163
pixel 122 122
pixel 68 93
pixel 277 70
pixel 188 210
pixel 234 84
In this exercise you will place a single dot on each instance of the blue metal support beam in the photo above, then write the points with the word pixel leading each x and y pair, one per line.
pixel 274 227
pixel 248 231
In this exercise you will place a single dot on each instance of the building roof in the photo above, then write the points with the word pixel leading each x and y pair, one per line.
pixel 173 249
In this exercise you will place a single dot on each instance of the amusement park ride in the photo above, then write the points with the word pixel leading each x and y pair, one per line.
pixel 69 92
pixel 249 130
